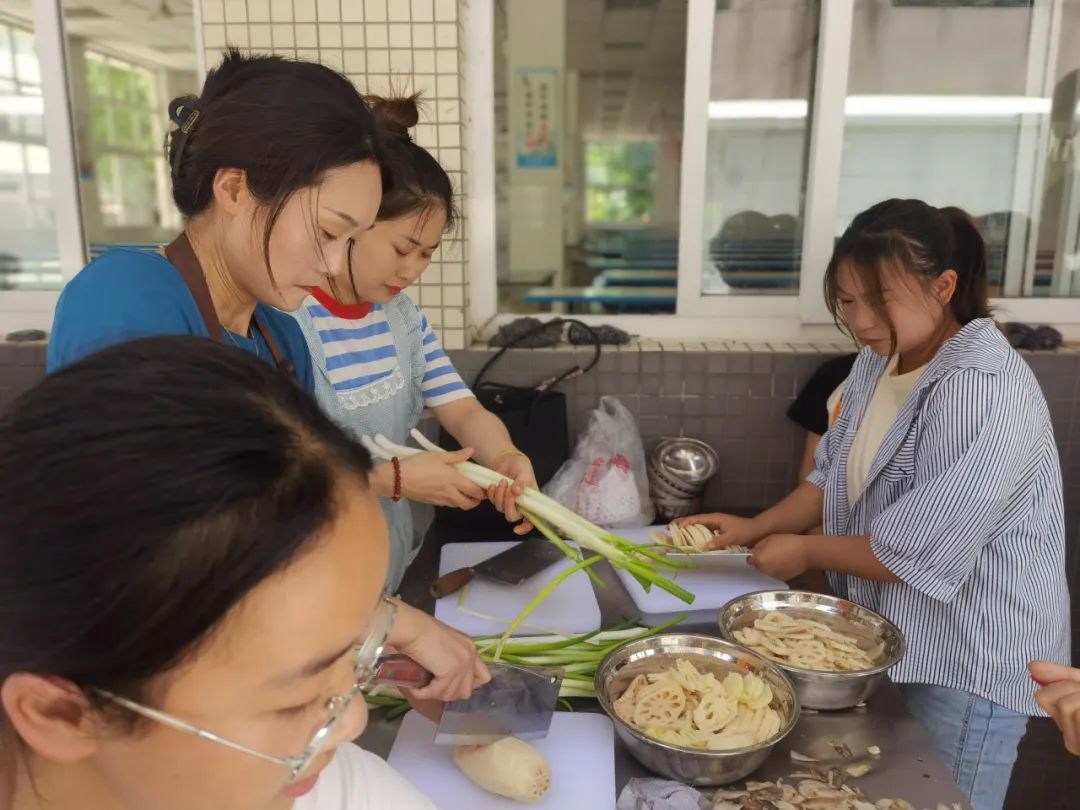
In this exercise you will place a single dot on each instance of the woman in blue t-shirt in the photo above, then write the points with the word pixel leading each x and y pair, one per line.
pixel 276 169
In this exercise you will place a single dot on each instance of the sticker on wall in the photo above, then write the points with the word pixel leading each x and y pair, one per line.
pixel 536 132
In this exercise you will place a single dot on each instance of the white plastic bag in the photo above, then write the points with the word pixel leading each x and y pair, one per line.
pixel 604 479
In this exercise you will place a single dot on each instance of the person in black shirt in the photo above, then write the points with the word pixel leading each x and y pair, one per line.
pixel 811 409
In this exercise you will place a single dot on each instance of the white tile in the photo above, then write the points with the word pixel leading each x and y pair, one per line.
pixel 260 36
pixel 433 295
pixel 448 111
pixel 398 10
pixel 434 318
pixel 328 10
pixel 453 317
pixel 423 35
pixel 454 296
pixel 281 10
pixel 424 61
pixel 450 158
pixel 446 61
pixel 283 35
pixel 355 61
pixel 214 37
pixel 433 274
pixel 449 135
pixel 377 35
pixel 447 87
pixel 213 11
pixel 352 10
pixel 446 35
pixel 453 273
pixel 237 34
pixel 401 61
pixel 235 11
pixel 381 85
pixel 426 135
pixel 258 11
pixel 352 36
pixel 378 61
pixel 304 11
pixel 423 11
pixel 330 35
pixel 446 10
pixel 400 35
pixel 375 10
pixel 307 36
pixel 332 59
pixel 425 84
pixel 308 54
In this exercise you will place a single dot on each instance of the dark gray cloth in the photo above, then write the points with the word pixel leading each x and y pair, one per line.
pixel 660 794
pixel 550 335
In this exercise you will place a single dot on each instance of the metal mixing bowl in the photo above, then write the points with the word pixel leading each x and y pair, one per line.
pixel 691 765
pixel 823 690
pixel 687 460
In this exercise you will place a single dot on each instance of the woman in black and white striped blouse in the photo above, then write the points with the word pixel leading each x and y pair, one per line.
pixel 939 489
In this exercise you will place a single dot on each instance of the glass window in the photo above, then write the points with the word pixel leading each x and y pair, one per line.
pixel 962 118
pixel 29 258
pixel 588 115
pixel 120 88
pixel 759 127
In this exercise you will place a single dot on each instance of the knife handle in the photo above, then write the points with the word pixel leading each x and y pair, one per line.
pixel 400 670
pixel 451 583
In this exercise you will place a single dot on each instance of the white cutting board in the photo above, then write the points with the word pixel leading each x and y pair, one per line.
pixel 571 607
pixel 580 748
pixel 713 587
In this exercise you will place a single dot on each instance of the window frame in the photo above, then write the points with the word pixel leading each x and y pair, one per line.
pixel 794 318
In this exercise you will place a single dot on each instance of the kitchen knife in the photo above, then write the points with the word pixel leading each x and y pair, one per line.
pixel 510 567
pixel 516 702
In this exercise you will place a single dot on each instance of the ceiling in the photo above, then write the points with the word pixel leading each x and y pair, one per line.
pixel 630 58
pixel 149 31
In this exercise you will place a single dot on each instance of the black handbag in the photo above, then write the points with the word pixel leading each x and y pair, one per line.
pixel 534 416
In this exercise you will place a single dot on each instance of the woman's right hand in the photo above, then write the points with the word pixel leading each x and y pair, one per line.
pixel 432 478
pixel 1060 698
pixel 730 530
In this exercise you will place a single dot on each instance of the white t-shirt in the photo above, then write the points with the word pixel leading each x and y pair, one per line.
pixel 889 396
pixel 358 780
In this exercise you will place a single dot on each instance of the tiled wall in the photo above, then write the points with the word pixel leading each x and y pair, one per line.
pixel 385 47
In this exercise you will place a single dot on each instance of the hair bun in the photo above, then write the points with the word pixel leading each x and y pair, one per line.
pixel 395 116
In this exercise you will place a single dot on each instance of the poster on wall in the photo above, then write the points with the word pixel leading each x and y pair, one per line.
pixel 536 131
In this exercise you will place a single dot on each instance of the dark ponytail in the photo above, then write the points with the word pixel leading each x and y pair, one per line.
pixel 284 122
pixel 144 491
pixel 920 240
pixel 969 261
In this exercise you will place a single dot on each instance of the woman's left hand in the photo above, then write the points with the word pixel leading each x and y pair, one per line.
pixel 783 556
pixel 447 654
pixel 503 495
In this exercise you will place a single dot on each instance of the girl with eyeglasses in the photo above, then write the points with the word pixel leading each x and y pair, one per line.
pixel 186 622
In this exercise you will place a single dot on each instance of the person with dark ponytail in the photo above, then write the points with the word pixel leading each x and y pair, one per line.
pixel 276 168
pixel 938 486
pixel 378 362
pixel 191 601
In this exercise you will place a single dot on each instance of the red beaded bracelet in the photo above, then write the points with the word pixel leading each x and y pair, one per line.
pixel 396 463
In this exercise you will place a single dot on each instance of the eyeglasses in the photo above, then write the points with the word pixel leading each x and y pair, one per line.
pixel 366 661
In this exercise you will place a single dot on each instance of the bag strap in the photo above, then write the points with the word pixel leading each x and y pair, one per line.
pixel 576 371
pixel 181 255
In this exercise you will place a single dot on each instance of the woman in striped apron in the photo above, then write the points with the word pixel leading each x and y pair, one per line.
pixel 939 489
pixel 377 360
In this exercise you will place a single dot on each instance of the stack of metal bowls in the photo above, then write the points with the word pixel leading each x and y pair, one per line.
pixel 690 765
pixel 823 690
pixel 678 471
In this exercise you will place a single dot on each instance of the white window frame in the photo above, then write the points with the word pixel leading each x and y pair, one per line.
pixel 33 309
pixel 753 318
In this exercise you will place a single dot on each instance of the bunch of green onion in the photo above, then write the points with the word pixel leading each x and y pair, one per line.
pixel 577 656
pixel 644 562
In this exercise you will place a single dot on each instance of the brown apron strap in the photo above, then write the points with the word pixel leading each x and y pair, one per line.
pixel 183 258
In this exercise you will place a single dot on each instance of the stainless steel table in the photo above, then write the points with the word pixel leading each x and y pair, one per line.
pixel 908 768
